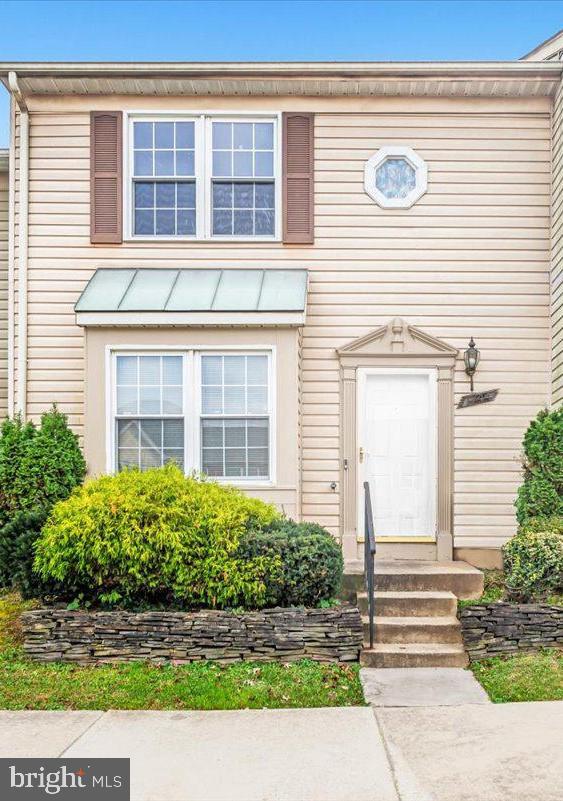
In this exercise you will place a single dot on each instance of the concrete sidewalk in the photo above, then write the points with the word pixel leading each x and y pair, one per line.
pixel 470 752
pixel 251 755
pixel 476 752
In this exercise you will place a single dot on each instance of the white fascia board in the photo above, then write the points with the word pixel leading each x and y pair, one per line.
pixel 133 319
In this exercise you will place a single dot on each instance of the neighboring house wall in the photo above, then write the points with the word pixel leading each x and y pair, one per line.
pixel 3 293
pixel 471 258
pixel 557 252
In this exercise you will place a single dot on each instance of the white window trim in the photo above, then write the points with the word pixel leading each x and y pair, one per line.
pixel 203 175
pixel 192 402
pixel 421 176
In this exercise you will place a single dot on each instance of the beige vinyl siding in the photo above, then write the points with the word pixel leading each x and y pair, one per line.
pixel 3 294
pixel 557 251
pixel 471 258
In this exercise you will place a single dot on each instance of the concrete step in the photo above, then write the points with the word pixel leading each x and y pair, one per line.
pixel 410 655
pixel 410 604
pixel 415 630
pixel 410 575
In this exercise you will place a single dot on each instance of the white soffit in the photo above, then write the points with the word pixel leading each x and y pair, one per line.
pixel 316 79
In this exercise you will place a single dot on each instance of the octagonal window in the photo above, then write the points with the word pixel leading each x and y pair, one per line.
pixel 395 178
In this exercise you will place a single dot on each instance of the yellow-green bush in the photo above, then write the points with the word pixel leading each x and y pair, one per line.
pixel 533 560
pixel 156 537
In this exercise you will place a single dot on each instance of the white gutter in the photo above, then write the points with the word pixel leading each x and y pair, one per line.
pixel 11 251
pixel 300 69
pixel 23 238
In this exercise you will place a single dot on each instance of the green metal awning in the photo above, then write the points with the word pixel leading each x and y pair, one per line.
pixel 193 297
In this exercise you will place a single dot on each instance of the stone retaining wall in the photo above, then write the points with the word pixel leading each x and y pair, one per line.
pixel 502 628
pixel 326 635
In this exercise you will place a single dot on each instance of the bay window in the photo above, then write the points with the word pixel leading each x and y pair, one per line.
pixel 204 177
pixel 205 411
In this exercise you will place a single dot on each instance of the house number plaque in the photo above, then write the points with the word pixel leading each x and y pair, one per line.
pixel 476 398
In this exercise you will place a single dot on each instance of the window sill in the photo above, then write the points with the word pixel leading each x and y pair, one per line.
pixel 245 483
pixel 203 240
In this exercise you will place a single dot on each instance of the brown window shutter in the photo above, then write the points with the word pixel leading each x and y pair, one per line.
pixel 106 157
pixel 298 184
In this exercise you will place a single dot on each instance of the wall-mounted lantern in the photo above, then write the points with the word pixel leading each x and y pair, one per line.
pixel 471 358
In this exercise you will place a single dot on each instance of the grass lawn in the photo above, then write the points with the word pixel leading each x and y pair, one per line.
pixel 201 685
pixel 524 677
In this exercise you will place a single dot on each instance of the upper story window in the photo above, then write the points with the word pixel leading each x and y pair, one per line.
pixel 243 180
pixel 164 179
pixel 204 177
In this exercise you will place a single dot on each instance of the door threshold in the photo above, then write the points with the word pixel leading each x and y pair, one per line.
pixel 405 539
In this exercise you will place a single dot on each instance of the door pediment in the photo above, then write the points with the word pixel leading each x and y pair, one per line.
pixel 397 339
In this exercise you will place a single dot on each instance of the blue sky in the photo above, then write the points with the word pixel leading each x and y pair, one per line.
pixel 271 30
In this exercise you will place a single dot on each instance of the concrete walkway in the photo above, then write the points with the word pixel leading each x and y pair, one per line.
pixel 421 687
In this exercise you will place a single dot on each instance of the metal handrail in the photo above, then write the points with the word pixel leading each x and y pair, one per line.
pixel 369 560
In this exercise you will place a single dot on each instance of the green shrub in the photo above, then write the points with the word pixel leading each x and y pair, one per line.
pixel 17 541
pixel 541 494
pixel 156 537
pixel 51 466
pixel 15 437
pixel 538 524
pixel 533 561
pixel 38 467
pixel 543 445
pixel 310 558
pixel 538 497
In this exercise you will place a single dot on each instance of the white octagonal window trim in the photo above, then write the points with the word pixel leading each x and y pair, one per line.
pixel 395 177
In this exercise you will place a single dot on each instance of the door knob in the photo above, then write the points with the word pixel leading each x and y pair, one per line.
pixel 362 453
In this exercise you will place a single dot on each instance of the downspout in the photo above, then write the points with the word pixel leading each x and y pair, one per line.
pixel 11 252
pixel 23 239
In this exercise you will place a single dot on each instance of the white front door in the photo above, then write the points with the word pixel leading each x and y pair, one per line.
pixel 397 450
